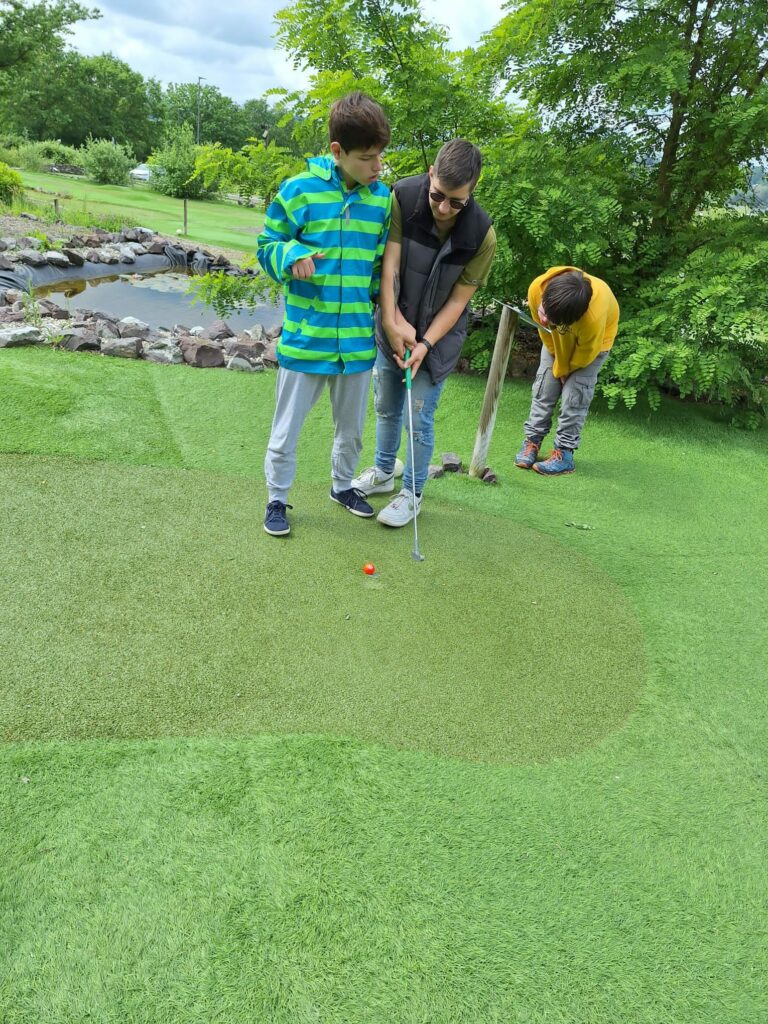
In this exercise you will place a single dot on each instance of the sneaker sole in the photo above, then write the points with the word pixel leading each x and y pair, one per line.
pixel 361 515
pixel 523 465
pixel 560 472
pixel 277 533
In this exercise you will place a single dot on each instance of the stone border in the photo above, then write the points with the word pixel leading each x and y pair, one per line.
pixel 25 320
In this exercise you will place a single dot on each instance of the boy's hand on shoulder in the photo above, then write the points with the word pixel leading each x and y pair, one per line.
pixel 303 269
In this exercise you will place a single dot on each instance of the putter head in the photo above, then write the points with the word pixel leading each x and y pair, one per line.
pixel 417 556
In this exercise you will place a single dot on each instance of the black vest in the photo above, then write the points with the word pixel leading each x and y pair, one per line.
pixel 430 268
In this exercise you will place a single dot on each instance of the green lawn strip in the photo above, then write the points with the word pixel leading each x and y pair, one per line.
pixel 304 879
pixel 213 222
pixel 169 602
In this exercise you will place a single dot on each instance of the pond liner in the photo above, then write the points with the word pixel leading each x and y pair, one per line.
pixel 27 279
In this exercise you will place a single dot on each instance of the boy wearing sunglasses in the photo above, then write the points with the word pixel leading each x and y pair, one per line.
pixel 439 252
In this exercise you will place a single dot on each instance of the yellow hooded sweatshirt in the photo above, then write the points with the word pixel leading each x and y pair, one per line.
pixel 595 332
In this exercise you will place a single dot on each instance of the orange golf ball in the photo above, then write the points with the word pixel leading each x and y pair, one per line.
pixel 369 568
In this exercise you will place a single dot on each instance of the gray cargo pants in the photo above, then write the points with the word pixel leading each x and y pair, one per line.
pixel 575 399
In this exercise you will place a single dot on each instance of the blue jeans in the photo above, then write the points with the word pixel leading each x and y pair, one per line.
pixel 389 401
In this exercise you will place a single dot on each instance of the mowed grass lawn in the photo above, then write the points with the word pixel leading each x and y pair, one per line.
pixel 522 782
pixel 213 222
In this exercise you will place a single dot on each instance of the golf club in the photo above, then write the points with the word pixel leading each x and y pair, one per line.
pixel 524 316
pixel 415 554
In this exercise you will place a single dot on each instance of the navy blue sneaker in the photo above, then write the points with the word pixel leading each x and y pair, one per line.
pixel 353 501
pixel 275 519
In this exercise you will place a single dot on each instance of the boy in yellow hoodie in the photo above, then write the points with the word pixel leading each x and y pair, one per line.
pixel 578 317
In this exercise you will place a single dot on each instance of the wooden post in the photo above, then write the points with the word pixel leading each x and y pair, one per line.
pixel 185 216
pixel 56 209
pixel 501 349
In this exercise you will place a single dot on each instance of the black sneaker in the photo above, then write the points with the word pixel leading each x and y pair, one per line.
pixel 353 501
pixel 275 519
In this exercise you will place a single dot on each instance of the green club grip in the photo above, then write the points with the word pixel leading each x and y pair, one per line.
pixel 408 377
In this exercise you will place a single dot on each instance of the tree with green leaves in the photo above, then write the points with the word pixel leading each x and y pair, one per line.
pixel 220 118
pixel 76 96
pixel 683 81
pixel 31 31
pixel 391 50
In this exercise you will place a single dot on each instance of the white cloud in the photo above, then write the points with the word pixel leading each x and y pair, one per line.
pixel 231 44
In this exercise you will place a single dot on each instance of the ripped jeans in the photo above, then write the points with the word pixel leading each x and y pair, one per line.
pixel 389 402
pixel 575 399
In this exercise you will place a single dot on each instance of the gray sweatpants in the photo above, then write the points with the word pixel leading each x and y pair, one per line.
pixel 295 394
pixel 575 399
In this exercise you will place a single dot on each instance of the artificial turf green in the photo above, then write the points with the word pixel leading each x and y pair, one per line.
pixel 159 607
pixel 304 878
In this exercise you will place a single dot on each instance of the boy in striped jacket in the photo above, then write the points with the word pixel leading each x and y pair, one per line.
pixel 324 239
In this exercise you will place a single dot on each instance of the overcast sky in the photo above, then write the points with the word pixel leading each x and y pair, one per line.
pixel 230 43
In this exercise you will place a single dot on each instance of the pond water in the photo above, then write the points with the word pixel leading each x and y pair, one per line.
pixel 158 299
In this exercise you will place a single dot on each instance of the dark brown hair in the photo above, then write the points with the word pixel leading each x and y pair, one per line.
pixel 458 163
pixel 358 122
pixel 567 297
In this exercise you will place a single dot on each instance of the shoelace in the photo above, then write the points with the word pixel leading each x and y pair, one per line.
pixel 529 447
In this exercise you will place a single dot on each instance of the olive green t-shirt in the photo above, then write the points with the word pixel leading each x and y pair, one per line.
pixel 479 267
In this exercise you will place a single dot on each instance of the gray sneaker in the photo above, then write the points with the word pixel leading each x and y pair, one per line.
pixel 401 510
pixel 373 481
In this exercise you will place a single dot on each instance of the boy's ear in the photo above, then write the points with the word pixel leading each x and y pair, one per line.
pixel 335 150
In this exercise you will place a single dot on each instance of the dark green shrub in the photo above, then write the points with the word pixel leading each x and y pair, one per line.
pixel 173 166
pixel 107 163
pixel 11 185
pixel 700 328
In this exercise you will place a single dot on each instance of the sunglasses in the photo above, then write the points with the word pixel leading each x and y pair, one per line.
pixel 456 204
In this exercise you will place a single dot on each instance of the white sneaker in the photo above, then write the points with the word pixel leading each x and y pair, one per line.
pixel 400 511
pixel 373 481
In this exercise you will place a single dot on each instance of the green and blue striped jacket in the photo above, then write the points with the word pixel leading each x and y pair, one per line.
pixel 328 325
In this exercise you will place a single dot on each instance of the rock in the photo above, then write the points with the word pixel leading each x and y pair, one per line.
pixel 156 248
pixel 136 248
pixel 8 243
pixel 76 242
pixel 451 462
pixel 244 347
pixel 269 355
pixel 80 339
pixel 273 333
pixel 13 295
pixel 130 327
pixel 239 363
pixel 93 256
pixel 131 235
pixel 197 331
pixel 107 330
pixel 28 242
pixel 201 353
pixel 50 309
pixel 56 259
pixel 435 472
pixel 32 257
pixel 109 255
pixel 127 348
pixel 162 350
pixel 12 337
pixel 5 264
pixel 8 315
pixel 488 476
pixel 74 257
pixel 218 331
pixel 256 333
pixel 29 216
pixel 127 254
pixel 181 329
